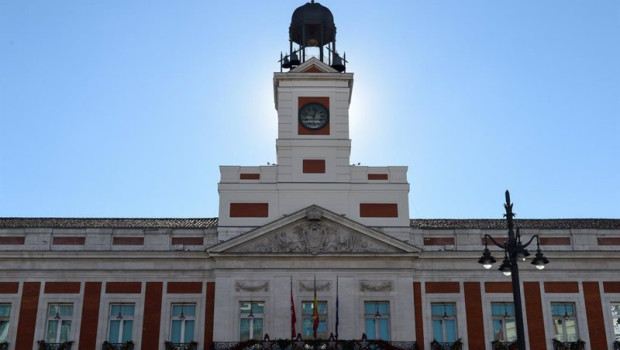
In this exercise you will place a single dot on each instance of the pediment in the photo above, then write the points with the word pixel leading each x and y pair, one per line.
pixel 314 230
pixel 313 65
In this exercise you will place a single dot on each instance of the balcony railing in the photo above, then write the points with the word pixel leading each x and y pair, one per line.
pixel 457 345
pixel 54 346
pixel 510 345
pixel 128 345
pixel 617 345
pixel 181 346
pixel 319 344
pixel 576 345
pixel 4 346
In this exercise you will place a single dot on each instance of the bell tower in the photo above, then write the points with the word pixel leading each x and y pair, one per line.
pixel 312 94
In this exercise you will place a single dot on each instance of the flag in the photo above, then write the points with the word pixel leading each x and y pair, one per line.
pixel 315 312
pixel 293 317
pixel 337 318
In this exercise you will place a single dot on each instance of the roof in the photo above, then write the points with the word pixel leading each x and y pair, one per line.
pixel 600 224
pixel 196 223
pixel 205 223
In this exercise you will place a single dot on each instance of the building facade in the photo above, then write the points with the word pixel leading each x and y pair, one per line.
pixel 309 252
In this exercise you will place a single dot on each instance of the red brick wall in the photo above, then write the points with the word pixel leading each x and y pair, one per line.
pixel 419 320
pixel 152 315
pixel 123 287
pixel 473 309
pixel 9 287
pixel 209 315
pixel 188 240
pixel 62 287
pixel 377 176
pixel 184 287
pixel 442 287
pixel 28 315
pixel 249 210
pixel 561 287
pixel 594 313
pixel 128 241
pixel 533 315
pixel 378 210
pixel 249 176
pixel 90 315
pixel 498 287
pixel 313 166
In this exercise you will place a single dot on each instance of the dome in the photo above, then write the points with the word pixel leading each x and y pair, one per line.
pixel 316 19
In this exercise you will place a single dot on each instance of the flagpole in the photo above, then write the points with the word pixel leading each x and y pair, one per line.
pixel 337 318
pixel 293 316
pixel 315 313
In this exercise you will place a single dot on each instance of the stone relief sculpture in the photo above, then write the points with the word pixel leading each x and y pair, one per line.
pixel 314 237
pixel 376 286
pixel 252 286
pixel 308 286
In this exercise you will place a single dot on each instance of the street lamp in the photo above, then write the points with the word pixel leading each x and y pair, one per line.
pixel 514 250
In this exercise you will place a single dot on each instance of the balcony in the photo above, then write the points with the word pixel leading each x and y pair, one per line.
pixel 128 345
pixel 576 345
pixel 510 345
pixel 54 346
pixel 181 346
pixel 319 344
pixel 4 346
pixel 457 345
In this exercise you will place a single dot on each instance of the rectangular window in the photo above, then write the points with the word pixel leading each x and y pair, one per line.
pixel 444 322
pixel 5 313
pixel 377 320
pixel 182 323
pixel 120 324
pixel 58 323
pixel 565 322
pixel 504 325
pixel 251 320
pixel 308 322
pixel 615 319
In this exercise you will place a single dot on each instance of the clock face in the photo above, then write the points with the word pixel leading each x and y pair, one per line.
pixel 313 116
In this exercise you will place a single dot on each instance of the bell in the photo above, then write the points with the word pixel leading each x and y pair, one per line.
pixel 294 59
pixel 286 64
pixel 338 64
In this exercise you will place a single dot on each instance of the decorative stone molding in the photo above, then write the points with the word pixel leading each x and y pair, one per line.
pixel 314 214
pixel 252 286
pixel 315 237
pixel 376 286
pixel 308 286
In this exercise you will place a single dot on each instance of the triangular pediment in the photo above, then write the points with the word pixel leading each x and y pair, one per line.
pixel 313 65
pixel 314 230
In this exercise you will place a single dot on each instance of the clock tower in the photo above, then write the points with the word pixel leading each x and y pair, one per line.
pixel 312 94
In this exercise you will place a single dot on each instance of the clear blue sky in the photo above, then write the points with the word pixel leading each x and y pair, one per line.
pixel 127 108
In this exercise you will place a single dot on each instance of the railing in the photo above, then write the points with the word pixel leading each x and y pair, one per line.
pixel 55 346
pixel 510 345
pixel 575 345
pixel 181 346
pixel 457 345
pixel 319 344
pixel 617 345
pixel 4 346
pixel 128 345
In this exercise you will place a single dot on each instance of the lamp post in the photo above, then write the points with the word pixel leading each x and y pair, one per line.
pixel 514 250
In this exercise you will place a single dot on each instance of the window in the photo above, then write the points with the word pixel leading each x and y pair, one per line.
pixel 564 322
pixel 615 319
pixel 183 320
pixel 120 323
pixel 444 322
pixel 251 320
pixel 5 313
pixel 377 320
pixel 308 322
pixel 504 325
pixel 59 317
